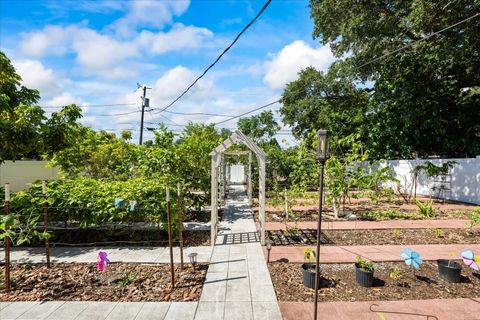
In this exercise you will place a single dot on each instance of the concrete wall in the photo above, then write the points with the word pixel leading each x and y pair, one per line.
pixel 20 173
pixel 464 178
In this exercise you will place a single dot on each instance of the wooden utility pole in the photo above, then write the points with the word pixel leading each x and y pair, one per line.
pixel 144 104
pixel 169 222
pixel 180 223
pixel 7 239
pixel 45 223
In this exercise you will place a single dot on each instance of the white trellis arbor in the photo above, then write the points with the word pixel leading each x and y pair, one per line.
pixel 218 175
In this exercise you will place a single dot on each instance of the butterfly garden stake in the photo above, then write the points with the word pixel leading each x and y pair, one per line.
pixel 412 259
pixel 103 262
pixel 471 260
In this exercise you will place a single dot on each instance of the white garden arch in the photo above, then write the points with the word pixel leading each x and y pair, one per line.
pixel 219 179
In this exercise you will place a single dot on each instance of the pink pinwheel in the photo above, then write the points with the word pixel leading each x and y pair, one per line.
pixel 103 261
pixel 470 259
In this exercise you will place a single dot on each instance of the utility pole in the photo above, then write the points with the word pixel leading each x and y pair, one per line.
pixel 144 104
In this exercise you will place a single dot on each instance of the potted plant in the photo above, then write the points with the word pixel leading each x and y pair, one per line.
pixel 364 272
pixel 308 269
pixel 449 270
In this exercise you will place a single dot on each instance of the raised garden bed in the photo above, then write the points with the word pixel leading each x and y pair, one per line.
pixel 122 282
pixel 374 237
pixel 121 237
pixel 339 284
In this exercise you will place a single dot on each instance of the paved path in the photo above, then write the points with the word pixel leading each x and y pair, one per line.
pixel 347 254
pixel 238 283
pixel 115 254
pixel 355 225
pixel 443 309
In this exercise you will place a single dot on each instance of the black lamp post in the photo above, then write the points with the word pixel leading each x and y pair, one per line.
pixel 323 153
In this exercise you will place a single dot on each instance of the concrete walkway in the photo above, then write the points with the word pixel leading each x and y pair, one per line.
pixel 442 309
pixel 238 283
pixel 357 225
pixel 115 254
pixel 376 253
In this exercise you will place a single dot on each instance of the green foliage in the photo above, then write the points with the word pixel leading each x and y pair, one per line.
pixel 260 128
pixel 127 279
pixel 422 100
pixel 425 208
pixel 309 254
pixel 366 265
pixel 396 233
pixel 395 273
pixel 474 220
pixel 387 214
pixel 438 233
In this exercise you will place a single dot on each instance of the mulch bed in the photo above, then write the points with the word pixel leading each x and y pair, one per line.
pixel 374 237
pixel 339 284
pixel 122 282
pixel 122 237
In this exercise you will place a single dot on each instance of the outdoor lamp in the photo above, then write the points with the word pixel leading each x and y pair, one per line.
pixel 269 247
pixel 193 258
pixel 323 145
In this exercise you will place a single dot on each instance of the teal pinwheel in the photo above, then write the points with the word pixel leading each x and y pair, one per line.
pixel 411 258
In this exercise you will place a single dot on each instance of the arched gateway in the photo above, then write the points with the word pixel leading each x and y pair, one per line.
pixel 218 167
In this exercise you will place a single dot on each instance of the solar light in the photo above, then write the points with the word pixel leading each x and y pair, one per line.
pixel 269 247
pixel 323 145
pixel 193 258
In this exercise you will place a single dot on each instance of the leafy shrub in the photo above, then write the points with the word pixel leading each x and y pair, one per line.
pixel 309 254
pixel 366 265
pixel 425 208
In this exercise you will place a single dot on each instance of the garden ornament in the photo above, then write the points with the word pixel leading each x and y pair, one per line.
pixel 470 259
pixel 103 261
pixel 411 258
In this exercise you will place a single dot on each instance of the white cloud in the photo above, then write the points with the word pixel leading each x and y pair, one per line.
pixel 52 40
pixel 179 37
pixel 36 76
pixel 298 55
pixel 65 99
pixel 148 13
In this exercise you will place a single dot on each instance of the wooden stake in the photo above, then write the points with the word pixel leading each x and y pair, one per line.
pixel 169 222
pixel 7 239
pixel 180 223
pixel 45 224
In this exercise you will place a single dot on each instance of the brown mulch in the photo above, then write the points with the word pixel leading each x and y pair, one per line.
pixel 374 237
pixel 339 284
pixel 122 282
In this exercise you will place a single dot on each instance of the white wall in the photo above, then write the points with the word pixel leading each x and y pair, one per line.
pixel 465 178
pixel 20 173
pixel 237 174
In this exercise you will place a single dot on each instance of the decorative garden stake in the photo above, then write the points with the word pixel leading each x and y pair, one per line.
pixel 45 223
pixel 180 223
pixel 269 247
pixel 102 261
pixel 169 222
pixel 133 205
pixel 323 153
pixel 7 239
pixel 119 203
pixel 412 259
pixel 471 260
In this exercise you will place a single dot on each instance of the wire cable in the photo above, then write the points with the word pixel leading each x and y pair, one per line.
pixel 245 113
pixel 218 58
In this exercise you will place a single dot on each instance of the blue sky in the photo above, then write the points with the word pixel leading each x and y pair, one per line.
pixel 95 52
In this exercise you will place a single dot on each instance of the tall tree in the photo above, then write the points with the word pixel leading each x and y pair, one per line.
pixel 426 97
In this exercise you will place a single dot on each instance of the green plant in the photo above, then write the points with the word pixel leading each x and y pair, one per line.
pixel 127 279
pixel 291 231
pixel 425 208
pixel 474 219
pixel 395 273
pixel 396 233
pixel 367 265
pixel 309 254
pixel 387 214
pixel 438 233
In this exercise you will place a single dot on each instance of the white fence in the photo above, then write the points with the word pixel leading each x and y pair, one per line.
pixel 20 173
pixel 237 173
pixel 461 184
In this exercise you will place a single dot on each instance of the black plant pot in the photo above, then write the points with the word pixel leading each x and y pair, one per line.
pixel 449 270
pixel 364 278
pixel 308 271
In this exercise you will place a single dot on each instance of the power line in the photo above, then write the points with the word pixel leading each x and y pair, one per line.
pixel 199 114
pixel 245 113
pixel 92 105
pixel 218 58
pixel 419 40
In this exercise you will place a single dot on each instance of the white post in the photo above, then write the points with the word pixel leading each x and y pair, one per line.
pixel 249 182
pixel 213 204
pixel 261 198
